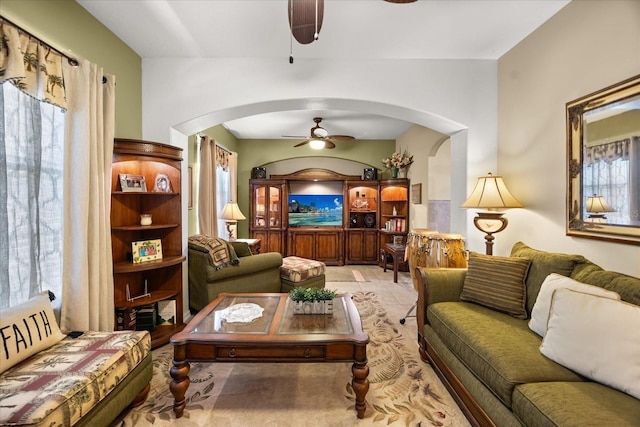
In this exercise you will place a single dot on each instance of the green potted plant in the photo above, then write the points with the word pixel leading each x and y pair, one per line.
pixel 312 300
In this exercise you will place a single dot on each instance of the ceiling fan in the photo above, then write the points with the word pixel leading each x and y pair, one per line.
pixel 319 137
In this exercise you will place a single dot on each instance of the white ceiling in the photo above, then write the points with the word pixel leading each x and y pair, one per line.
pixel 353 29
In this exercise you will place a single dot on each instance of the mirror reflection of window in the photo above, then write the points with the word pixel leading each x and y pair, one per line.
pixel 611 160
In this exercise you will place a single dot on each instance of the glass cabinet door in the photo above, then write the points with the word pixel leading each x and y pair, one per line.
pixel 260 200
pixel 275 213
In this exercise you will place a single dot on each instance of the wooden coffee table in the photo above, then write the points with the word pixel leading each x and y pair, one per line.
pixel 276 336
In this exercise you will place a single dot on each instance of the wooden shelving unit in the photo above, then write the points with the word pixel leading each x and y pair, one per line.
pixel 394 210
pixel 163 278
pixel 363 219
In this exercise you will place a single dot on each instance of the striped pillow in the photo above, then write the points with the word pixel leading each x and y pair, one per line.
pixel 497 282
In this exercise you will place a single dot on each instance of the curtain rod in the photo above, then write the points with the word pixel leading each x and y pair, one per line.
pixel 73 61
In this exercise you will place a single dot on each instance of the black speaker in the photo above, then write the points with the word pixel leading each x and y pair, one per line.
pixel 259 173
pixel 370 220
pixel 370 174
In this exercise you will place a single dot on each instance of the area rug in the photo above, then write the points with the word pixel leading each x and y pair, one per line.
pixel 343 274
pixel 404 391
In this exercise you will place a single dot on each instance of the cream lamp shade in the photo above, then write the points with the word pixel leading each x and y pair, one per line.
pixel 596 206
pixel 231 214
pixel 491 193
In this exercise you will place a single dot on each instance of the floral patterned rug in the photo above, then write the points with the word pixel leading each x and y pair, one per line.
pixel 404 391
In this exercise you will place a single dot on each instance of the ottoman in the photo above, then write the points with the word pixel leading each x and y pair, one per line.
pixel 296 272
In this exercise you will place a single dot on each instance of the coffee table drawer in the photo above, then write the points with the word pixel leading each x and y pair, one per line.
pixel 266 353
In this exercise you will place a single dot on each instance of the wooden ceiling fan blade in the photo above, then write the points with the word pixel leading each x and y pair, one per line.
pixel 329 145
pixel 340 138
pixel 301 144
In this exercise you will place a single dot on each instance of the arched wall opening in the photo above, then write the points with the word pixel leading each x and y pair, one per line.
pixel 179 136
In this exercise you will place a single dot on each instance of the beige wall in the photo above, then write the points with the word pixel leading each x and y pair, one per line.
pixel 68 27
pixel 426 145
pixel 587 46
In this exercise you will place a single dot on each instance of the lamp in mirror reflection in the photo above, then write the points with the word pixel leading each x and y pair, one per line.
pixel 597 207
pixel 490 193
pixel 231 214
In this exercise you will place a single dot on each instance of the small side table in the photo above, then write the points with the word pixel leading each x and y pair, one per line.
pixel 397 253
pixel 254 245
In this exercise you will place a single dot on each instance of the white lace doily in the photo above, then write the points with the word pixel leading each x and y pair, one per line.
pixel 241 313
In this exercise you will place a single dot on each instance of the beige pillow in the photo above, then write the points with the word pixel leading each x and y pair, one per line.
pixel 26 329
pixel 497 282
pixel 540 312
pixel 596 337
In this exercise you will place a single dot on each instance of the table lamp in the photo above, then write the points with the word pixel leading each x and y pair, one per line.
pixel 231 214
pixel 491 194
pixel 596 207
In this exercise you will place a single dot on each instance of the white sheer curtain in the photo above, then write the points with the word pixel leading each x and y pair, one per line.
pixel 31 147
pixel 87 300
pixel 611 171
pixel 207 213
pixel 31 165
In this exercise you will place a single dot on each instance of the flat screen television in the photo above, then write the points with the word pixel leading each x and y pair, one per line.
pixel 315 210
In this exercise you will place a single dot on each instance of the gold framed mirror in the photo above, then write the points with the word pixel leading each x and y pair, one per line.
pixel 603 164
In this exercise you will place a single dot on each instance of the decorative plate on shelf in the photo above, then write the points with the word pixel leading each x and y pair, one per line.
pixel 163 184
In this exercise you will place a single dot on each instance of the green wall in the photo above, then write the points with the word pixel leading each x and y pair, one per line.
pixel 68 27
pixel 611 128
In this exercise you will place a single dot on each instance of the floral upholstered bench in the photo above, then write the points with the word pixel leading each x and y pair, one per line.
pixel 297 272
pixel 48 378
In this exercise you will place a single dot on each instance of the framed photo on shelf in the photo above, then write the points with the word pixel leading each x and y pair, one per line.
pixel 146 250
pixel 132 183
pixel 163 184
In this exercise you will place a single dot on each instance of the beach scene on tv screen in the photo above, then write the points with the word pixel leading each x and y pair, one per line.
pixel 315 210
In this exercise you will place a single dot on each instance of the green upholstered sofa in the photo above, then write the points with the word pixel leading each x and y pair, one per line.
pixel 492 362
pixel 253 273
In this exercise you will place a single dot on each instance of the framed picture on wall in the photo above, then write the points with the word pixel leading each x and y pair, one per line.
pixel 190 189
pixel 416 194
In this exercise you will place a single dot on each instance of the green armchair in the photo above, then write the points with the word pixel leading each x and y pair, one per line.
pixel 253 273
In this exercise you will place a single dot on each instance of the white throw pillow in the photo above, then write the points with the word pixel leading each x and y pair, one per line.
pixel 540 311
pixel 596 337
pixel 26 329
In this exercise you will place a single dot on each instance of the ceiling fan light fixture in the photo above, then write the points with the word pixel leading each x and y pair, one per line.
pixel 316 144
pixel 319 132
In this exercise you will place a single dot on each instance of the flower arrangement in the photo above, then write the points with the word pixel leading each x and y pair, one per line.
pixel 398 160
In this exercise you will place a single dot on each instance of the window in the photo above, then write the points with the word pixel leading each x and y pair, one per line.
pixel 31 202
pixel 223 195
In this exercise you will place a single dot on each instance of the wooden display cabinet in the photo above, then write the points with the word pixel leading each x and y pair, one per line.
pixel 160 279
pixel 267 205
pixel 362 222
pixel 394 213
pixel 320 244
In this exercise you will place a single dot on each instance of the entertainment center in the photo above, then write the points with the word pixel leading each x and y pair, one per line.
pixel 327 216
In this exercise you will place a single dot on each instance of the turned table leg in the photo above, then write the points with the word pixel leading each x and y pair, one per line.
pixel 180 379
pixel 360 382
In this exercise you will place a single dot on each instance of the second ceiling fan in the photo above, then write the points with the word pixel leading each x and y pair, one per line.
pixel 319 137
